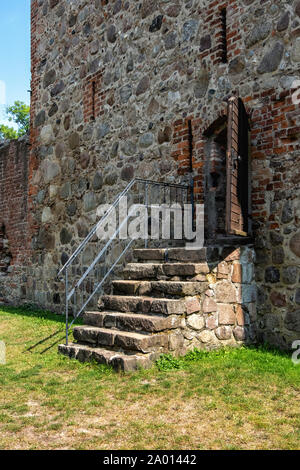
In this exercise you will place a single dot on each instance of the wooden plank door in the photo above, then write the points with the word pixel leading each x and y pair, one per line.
pixel 237 199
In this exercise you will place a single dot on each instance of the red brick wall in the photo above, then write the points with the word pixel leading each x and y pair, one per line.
pixel 13 198
pixel 94 97
pixel 213 41
pixel 181 151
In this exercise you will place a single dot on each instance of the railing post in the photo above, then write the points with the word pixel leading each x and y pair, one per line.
pixel 67 307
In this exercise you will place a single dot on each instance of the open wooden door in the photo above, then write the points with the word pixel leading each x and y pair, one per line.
pixel 237 169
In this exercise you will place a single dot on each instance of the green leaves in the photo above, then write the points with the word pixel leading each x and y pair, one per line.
pixel 8 132
pixel 168 362
pixel 19 113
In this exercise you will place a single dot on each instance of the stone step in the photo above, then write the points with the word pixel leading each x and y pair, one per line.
pixel 131 341
pixel 149 270
pixel 122 303
pixel 131 321
pixel 117 360
pixel 165 288
pixel 171 254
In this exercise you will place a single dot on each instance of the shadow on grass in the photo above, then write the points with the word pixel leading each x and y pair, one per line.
pixel 166 362
pixel 33 312
pixel 44 340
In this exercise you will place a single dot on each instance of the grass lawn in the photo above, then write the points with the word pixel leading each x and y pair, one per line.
pixel 237 399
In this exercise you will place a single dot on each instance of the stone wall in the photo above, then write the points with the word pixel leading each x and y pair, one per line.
pixel 114 86
pixel 276 194
pixel 224 311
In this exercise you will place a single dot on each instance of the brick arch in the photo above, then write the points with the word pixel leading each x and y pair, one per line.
pixel 208 125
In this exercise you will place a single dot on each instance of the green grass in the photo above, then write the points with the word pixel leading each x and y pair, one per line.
pixel 229 399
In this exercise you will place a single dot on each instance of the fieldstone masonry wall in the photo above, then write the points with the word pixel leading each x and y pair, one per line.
pixel 224 311
pixel 114 86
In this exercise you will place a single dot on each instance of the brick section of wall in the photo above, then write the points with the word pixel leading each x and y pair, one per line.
pixel 181 150
pixel 94 97
pixel 13 199
pixel 275 134
pixel 213 44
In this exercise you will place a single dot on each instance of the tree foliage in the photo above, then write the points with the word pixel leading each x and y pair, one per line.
pixel 19 114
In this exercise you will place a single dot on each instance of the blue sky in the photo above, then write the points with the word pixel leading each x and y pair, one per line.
pixel 14 52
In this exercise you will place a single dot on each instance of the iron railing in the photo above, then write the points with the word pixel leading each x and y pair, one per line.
pixel 94 260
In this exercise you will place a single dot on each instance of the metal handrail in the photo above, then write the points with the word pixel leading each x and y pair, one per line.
pixel 115 203
pixel 94 229
pixel 83 244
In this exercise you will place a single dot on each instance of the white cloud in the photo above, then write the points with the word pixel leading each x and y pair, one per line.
pixel 3 118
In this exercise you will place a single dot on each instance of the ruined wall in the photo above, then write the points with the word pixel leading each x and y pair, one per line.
pixel 14 241
pixel 114 84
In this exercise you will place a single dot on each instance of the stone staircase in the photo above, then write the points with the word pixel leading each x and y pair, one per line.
pixel 145 314
pixel 171 300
